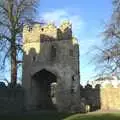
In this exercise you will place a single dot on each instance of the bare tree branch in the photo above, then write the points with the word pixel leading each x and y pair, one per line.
pixel 13 15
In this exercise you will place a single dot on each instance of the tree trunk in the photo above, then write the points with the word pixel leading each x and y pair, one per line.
pixel 13 65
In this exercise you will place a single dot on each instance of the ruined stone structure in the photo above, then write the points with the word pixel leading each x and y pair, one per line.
pixel 51 68
pixel 105 97
pixel 110 97
pixel 90 96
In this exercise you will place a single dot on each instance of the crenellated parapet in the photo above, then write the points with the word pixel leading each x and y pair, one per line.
pixel 65 24
pixel 48 32
pixel 66 29
pixel 89 87
pixel 100 86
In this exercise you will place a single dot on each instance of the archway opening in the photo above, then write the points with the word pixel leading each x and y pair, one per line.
pixel 45 83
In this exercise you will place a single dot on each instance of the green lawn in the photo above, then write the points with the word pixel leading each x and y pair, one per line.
pixel 95 116
pixel 58 116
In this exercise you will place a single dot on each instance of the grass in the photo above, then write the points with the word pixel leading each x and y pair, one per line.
pixel 95 116
pixel 63 116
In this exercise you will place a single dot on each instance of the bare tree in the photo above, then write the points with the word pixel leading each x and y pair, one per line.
pixel 13 15
pixel 107 57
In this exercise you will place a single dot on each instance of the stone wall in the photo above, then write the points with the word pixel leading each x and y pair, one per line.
pixel 110 98
pixel 11 100
pixel 105 98
pixel 39 42
pixel 90 96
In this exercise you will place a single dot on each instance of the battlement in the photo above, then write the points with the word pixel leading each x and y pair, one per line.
pixel 37 32
pixel 98 86
pixel 101 96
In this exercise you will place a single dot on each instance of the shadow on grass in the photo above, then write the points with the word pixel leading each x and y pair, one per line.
pixel 61 116
pixel 36 116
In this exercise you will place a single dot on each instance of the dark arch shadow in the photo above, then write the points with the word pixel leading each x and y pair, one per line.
pixel 43 80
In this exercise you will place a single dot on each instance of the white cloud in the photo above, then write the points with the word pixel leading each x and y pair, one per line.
pixel 57 16
pixel 80 31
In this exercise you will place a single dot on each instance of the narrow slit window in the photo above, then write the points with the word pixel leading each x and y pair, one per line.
pixel 71 52
pixel 53 51
pixel 34 58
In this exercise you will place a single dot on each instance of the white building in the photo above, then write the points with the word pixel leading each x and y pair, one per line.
pixel 106 80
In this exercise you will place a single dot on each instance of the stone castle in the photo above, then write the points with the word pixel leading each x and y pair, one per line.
pixel 51 78
pixel 51 68
pixel 101 97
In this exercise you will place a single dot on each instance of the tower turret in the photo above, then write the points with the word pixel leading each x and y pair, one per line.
pixel 51 55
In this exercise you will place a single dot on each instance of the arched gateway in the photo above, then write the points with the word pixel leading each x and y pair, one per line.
pixel 43 81
pixel 51 68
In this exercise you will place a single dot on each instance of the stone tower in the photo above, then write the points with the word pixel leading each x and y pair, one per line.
pixel 51 68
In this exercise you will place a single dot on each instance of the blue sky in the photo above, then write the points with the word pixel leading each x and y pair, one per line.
pixel 87 17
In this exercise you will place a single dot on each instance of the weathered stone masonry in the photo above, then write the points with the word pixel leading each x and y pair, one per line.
pixel 51 55
pixel 11 100
pixel 101 97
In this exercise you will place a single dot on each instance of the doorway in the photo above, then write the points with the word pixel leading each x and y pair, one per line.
pixel 45 83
